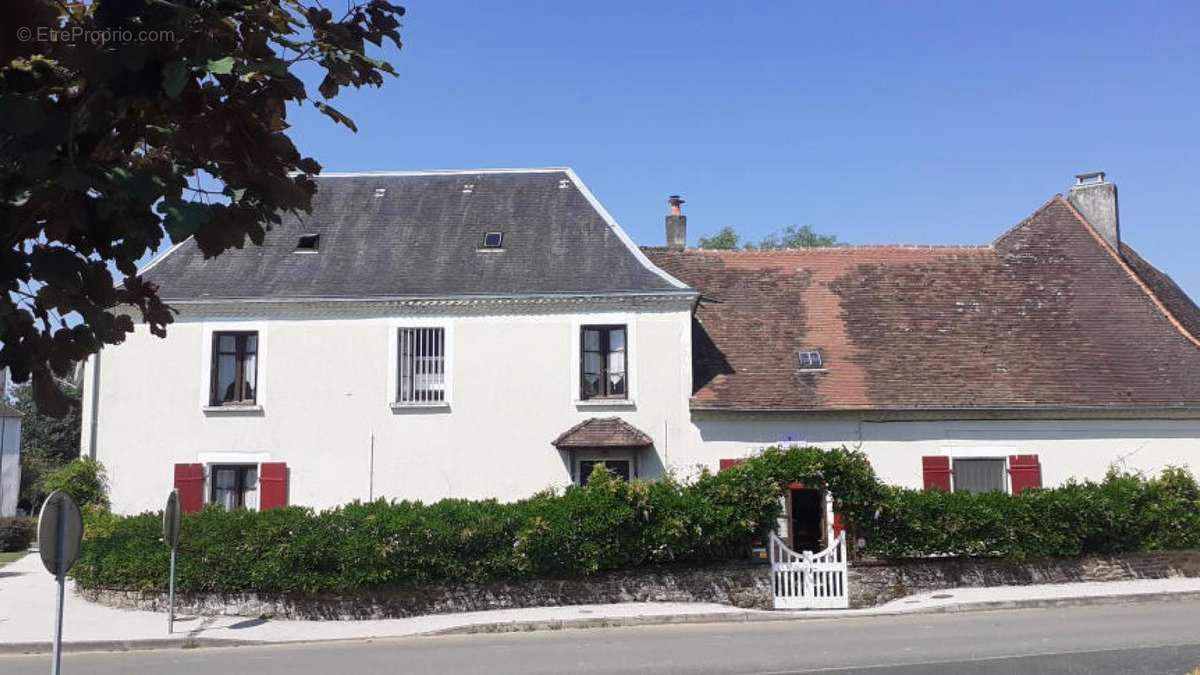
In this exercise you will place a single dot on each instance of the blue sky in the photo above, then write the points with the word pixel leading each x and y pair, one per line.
pixel 880 123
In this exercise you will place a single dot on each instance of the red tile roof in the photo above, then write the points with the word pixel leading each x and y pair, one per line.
pixel 603 432
pixel 1048 316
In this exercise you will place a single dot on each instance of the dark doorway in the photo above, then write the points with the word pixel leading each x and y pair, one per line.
pixel 808 514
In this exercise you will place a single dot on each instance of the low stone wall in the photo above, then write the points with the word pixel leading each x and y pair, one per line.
pixel 741 585
pixel 874 583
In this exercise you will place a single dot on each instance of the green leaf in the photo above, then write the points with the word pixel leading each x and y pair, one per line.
pixel 221 66
pixel 184 218
pixel 336 115
pixel 174 78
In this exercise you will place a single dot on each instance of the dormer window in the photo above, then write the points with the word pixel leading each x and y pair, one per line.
pixel 811 360
pixel 308 243
pixel 493 240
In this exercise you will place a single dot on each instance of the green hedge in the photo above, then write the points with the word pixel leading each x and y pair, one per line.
pixel 609 524
pixel 1124 512
pixel 16 533
pixel 606 524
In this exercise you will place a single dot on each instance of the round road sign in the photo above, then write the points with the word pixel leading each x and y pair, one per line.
pixel 60 532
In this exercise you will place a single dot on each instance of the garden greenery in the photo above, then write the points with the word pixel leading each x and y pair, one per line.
pixel 609 524
pixel 606 524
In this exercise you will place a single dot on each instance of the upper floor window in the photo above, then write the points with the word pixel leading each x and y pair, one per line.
pixel 421 376
pixel 234 368
pixel 603 358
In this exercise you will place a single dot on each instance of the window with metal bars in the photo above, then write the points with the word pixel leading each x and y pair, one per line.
pixel 422 366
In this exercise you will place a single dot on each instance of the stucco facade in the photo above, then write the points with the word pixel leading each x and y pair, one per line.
pixel 325 404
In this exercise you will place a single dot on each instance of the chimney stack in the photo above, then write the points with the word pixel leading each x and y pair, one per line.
pixel 1096 199
pixel 676 224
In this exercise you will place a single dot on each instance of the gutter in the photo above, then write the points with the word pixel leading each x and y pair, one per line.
pixel 665 293
pixel 963 413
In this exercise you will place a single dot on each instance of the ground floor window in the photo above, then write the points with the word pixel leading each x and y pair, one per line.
pixel 977 475
pixel 619 467
pixel 234 486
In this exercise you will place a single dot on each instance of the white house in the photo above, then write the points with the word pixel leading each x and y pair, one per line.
pixel 491 333
pixel 10 451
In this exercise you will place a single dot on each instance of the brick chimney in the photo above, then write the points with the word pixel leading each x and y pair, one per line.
pixel 1096 199
pixel 676 224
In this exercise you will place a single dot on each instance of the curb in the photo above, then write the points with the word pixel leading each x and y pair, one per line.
pixel 15 648
pixel 759 616
pixel 747 616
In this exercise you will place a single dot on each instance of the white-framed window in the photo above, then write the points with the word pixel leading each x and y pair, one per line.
pixel 603 370
pixel 231 477
pixel 979 469
pixel 420 364
pixel 979 474
pixel 621 463
pixel 233 486
pixel 233 366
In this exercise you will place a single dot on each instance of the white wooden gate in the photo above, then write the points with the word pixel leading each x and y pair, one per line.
pixel 809 580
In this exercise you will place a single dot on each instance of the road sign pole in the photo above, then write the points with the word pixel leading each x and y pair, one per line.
pixel 171 615
pixel 60 574
pixel 60 533
pixel 171 538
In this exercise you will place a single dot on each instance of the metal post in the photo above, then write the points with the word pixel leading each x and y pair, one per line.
pixel 60 575
pixel 171 601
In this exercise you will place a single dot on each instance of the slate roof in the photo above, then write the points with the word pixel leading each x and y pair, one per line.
pixel 1047 317
pixel 603 432
pixel 421 238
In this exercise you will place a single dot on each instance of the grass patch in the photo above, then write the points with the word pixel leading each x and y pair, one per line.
pixel 13 556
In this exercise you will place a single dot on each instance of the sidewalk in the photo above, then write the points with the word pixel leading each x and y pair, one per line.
pixel 27 615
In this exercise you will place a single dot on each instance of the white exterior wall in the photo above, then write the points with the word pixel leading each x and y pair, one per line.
pixel 325 389
pixel 10 465
pixel 1082 448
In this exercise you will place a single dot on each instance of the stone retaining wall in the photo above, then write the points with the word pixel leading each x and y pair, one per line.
pixel 741 585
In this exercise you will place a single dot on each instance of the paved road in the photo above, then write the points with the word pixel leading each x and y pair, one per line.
pixel 1153 637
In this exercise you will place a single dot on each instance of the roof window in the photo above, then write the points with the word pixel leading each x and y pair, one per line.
pixel 308 243
pixel 811 360
pixel 493 240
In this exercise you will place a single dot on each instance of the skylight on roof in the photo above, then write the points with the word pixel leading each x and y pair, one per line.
pixel 493 240
pixel 308 243
pixel 811 360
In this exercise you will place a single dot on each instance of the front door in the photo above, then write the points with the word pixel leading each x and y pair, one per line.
pixel 807 520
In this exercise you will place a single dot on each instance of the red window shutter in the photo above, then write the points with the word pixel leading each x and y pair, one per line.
pixel 189 480
pixel 272 485
pixel 1026 472
pixel 936 471
pixel 730 463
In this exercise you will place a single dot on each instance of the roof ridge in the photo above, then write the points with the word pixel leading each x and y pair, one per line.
pixel 437 172
pixel 845 247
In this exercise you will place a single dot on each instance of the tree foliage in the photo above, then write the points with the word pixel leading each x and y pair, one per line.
pixel 84 479
pixel 153 118
pixel 792 236
pixel 47 443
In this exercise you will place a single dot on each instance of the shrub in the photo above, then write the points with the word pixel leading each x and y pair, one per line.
pixel 1124 512
pixel 16 533
pixel 603 525
pixel 84 479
